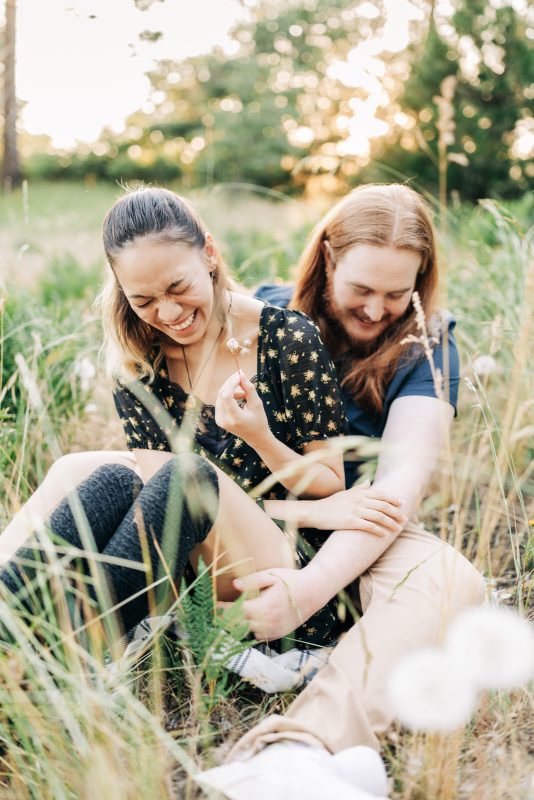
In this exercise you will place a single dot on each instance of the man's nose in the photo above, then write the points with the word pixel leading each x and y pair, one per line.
pixel 374 308
pixel 169 311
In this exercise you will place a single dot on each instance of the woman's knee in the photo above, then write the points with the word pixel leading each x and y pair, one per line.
pixel 189 467
pixel 192 477
pixel 116 478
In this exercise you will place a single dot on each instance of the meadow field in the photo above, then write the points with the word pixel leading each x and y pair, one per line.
pixel 68 727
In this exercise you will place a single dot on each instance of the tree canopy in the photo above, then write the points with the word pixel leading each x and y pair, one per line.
pixel 281 112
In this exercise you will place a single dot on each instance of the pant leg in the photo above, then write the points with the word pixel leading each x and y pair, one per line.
pixel 408 598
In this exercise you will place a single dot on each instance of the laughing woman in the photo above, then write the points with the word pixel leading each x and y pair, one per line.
pixel 169 313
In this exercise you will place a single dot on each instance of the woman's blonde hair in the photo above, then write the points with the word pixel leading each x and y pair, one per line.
pixel 381 216
pixel 132 347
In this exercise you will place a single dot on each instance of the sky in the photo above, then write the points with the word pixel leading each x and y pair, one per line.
pixel 77 74
pixel 81 65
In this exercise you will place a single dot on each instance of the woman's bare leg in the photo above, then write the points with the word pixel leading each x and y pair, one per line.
pixel 244 539
pixel 63 476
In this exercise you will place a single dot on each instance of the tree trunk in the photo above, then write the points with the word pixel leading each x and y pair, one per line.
pixel 11 174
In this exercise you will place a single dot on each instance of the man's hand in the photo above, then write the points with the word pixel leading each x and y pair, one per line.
pixel 362 508
pixel 246 418
pixel 286 600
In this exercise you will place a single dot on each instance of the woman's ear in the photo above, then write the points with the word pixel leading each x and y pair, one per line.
pixel 211 252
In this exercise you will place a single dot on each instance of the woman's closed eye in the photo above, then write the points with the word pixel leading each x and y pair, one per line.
pixel 174 294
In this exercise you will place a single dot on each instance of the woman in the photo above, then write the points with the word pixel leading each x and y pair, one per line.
pixel 168 312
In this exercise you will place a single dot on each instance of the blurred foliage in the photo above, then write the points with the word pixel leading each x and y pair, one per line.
pixel 277 112
pixel 491 58
pixel 255 256
pixel 54 327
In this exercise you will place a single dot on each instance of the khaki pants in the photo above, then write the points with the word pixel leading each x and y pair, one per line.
pixel 408 597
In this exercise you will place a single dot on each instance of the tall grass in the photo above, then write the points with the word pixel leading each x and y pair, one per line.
pixel 72 728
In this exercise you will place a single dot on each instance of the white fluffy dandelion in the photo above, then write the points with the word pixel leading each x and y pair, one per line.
pixel 492 646
pixel 428 692
pixel 85 371
pixel 485 365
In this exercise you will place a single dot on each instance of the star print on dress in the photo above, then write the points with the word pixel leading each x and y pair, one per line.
pixel 297 385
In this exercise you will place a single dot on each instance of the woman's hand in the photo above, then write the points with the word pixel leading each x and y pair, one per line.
pixel 286 600
pixel 362 508
pixel 239 410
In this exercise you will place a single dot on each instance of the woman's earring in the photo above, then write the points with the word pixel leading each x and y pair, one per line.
pixel 212 276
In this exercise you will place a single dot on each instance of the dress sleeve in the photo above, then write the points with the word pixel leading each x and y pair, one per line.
pixel 309 392
pixel 141 430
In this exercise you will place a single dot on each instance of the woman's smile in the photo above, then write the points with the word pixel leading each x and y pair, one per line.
pixel 185 325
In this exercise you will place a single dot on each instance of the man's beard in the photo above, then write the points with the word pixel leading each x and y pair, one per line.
pixel 345 343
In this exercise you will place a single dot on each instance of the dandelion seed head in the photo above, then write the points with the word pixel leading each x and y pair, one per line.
pixel 485 365
pixel 492 646
pixel 85 371
pixel 235 347
pixel 428 692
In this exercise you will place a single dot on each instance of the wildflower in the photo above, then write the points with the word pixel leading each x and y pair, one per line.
pixel 37 343
pixel 445 124
pixel 428 692
pixel 485 365
pixel 235 347
pixel 85 371
pixel 492 646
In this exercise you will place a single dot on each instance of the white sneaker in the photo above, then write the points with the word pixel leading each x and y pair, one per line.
pixel 285 770
pixel 362 767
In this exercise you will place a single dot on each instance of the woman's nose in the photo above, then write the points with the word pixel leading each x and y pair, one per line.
pixel 169 311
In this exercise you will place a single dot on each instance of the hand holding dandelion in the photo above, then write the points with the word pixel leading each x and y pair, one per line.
pixel 235 347
pixel 247 420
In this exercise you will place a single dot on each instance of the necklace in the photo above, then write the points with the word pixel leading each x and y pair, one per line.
pixel 192 401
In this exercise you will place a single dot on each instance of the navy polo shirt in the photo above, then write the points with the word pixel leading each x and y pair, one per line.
pixel 412 377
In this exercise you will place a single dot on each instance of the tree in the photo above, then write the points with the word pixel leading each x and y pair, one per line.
pixel 267 114
pixel 11 174
pixel 486 51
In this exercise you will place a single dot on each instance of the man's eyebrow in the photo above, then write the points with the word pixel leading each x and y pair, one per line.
pixel 370 289
pixel 170 287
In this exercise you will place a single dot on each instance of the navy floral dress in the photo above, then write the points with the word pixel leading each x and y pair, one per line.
pixel 297 383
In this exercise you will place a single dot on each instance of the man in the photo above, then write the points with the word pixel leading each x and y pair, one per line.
pixel 368 278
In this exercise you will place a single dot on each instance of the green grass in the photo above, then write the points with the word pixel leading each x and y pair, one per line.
pixel 66 729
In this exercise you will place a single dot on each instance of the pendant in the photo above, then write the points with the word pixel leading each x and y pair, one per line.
pixel 191 402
